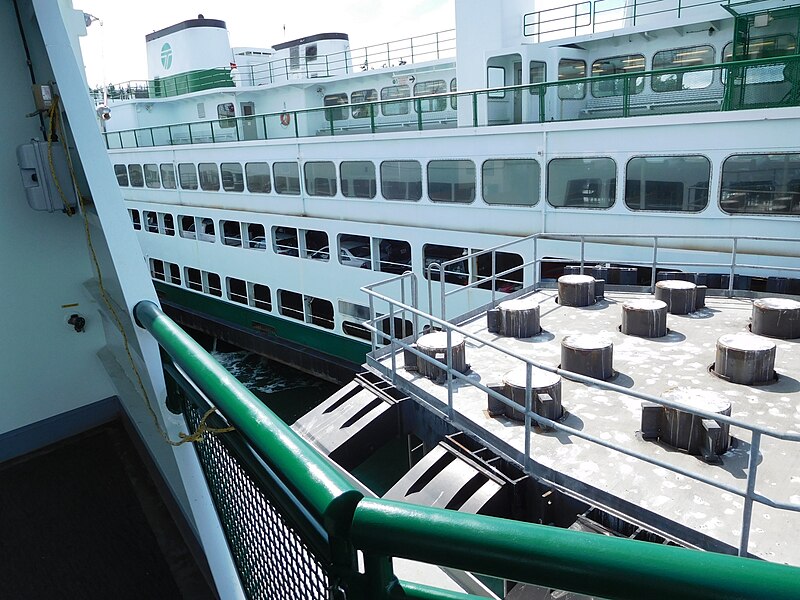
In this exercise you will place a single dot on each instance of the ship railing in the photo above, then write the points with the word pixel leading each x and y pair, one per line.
pixel 583 18
pixel 735 85
pixel 298 527
pixel 387 345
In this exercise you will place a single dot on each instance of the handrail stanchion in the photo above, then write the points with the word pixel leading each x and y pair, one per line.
pixel 474 109
pixel 747 508
pixel 392 337
pixel 733 268
pixel 653 272
pixel 583 253
pixel 450 373
pixel 494 276
pixel 374 336
pixel 528 408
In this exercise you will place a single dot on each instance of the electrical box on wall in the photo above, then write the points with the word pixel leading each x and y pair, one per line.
pixel 39 176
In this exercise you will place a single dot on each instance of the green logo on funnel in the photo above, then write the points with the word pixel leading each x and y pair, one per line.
pixel 166 56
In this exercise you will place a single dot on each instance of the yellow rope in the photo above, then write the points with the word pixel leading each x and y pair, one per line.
pixel 202 428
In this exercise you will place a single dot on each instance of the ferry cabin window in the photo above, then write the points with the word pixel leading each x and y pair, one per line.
pixel 209 177
pixel 358 314
pixel 504 262
pixel 290 304
pixel 150 221
pixel 232 178
pixel 121 172
pixel 256 236
pixel 287 178
pixel 157 269
pixel 451 181
pixel 356 330
pixel 496 78
pixel 237 290
pixel 316 245
pixel 135 219
pixel 284 241
pixel 667 183
pixel 453 89
pixel 231 233
pixel 761 184
pixel 581 182
pixel 213 285
pixel 294 58
pixel 167 175
pixel 187 175
pixel 135 175
pixel 320 178
pixel 425 88
pixel 538 74
pixel 187 227
pixel 617 65
pixel 363 112
pixel 168 223
pixel 401 180
pixel 511 181
pixel 358 179
pixel 570 68
pixel 691 56
pixel 320 312
pixel 174 276
pixel 395 256
pixel 151 178
pixel 335 114
pixel 194 279
pixel 761 47
pixel 435 254
pixel 225 112
pixel 355 251
pixel 258 180
pixel 311 52
pixel 391 93
pixel 260 297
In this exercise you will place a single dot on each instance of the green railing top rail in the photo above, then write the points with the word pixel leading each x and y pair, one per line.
pixel 375 108
pixel 577 561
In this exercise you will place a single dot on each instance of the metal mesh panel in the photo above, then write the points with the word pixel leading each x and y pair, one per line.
pixel 273 561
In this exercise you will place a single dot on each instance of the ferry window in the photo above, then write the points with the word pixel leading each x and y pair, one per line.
pixel 225 113
pixel 290 304
pixel 495 78
pixel 393 92
pixel 231 233
pixel 321 312
pixel 311 52
pixel 136 176
pixel 351 309
pixel 122 175
pixel 174 274
pixel 135 219
pixel 258 180
pixel 150 221
pixel 209 176
pixel 667 183
pixel 187 174
pixel 426 88
pixel 335 114
pixel 157 269
pixel 287 178
pixel 168 175
pixel 169 224
pixel 187 225
pixel 256 237
pixel 451 181
pixel 320 178
pixel 436 254
pixel 261 297
pixel 509 281
pixel 761 184
pixel 511 181
pixel 538 74
pixel 355 251
pixel 316 245
pixel 237 290
pixel 395 256
pixel 570 68
pixel 617 65
pixel 362 112
pixel 213 285
pixel 284 241
pixel 453 89
pixel 761 47
pixel 401 180
pixel 206 230
pixel 151 178
pixel 194 280
pixel 294 58
pixel 356 330
pixel 232 179
pixel 581 182
pixel 358 179
pixel 683 57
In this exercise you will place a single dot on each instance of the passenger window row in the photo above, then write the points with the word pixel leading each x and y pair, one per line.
pixel 395 95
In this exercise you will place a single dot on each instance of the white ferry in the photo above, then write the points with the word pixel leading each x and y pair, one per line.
pixel 268 185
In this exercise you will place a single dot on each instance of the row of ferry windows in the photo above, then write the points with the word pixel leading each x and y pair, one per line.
pixel 690 56
pixel 751 183
pixel 293 305
pixel 395 93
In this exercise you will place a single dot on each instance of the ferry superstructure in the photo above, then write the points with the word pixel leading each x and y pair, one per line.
pixel 663 119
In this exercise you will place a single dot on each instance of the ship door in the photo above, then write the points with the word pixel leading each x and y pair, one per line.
pixel 518 93
pixel 249 131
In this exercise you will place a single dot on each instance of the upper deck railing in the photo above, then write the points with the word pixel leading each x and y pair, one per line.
pixel 295 523
pixel 758 83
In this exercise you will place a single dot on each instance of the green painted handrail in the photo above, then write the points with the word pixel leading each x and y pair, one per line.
pixel 606 566
pixel 327 493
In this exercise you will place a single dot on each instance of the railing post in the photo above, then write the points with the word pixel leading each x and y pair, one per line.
pixel 296 127
pixel 418 104
pixel 372 118
pixel 191 141
pixel 747 509
pixel 169 130
pixel 450 373
pixel 388 55
pixel 270 71
pixel 634 13
pixel 474 109
pixel 437 45
pixel 575 20
pixel 152 139
pixel 264 121
pixel 412 50
pixel 583 252
pixel 655 264
pixel 374 334
pixel 211 125
pixel 239 121
pixel 528 408
pixel 535 263
pixel 542 95
pixel 327 67
pixel 626 96
pixel 733 268
pixel 494 276
pixel 391 342
pixel 119 135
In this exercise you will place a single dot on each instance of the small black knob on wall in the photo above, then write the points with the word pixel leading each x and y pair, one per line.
pixel 78 322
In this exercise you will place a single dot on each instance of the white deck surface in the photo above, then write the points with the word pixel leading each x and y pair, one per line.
pixel 654 366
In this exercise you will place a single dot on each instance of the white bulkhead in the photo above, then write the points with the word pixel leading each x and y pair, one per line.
pixel 193 45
